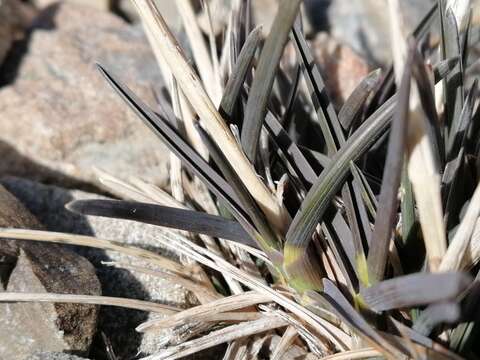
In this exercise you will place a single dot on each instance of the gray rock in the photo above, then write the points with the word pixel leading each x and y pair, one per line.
pixel 54 356
pixel 104 5
pixel 364 24
pixel 47 203
pixel 26 328
pixel 60 117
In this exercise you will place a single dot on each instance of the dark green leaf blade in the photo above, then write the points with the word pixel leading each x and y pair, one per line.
pixel 239 73
pixel 414 290
pixel 454 90
pixel 443 68
pixel 329 183
pixel 435 315
pixel 392 174
pixel 184 151
pixel 331 129
pixel 268 239
pixel 188 220
pixel 265 75
pixel 355 102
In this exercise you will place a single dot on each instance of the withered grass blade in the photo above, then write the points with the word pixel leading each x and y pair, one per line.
pixel 427 97
pixel 227 304
pixel 287 340
pixel 221 336
pixel 460 242
pixel 88 299
pixel 199 49
pixel 89 241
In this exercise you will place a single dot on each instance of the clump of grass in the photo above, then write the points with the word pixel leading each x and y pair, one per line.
pixel 342 235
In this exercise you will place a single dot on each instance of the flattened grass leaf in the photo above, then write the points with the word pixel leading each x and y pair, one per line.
pixel 414 290
pixel 435 315
pixel 188 220
pixel 388 202
pixel 239 73
pixel 265 76
pixel 356 101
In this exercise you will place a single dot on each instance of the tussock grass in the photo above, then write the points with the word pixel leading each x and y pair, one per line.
pixel 360 243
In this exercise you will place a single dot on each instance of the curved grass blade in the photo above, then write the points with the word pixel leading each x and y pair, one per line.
pixel 239 73
pixel 328 184
pixel 265 75
pixel 355 102
pixel 413 290
pixel 340 245
pixel 334 137
pixel 188 220
pixel 392 174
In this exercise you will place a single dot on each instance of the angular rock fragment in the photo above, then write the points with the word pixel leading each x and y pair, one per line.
pixel 26 328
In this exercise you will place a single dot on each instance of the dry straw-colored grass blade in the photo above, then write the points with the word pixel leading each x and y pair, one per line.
pixel 422 171
pixel 86 299
pixel 221 336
